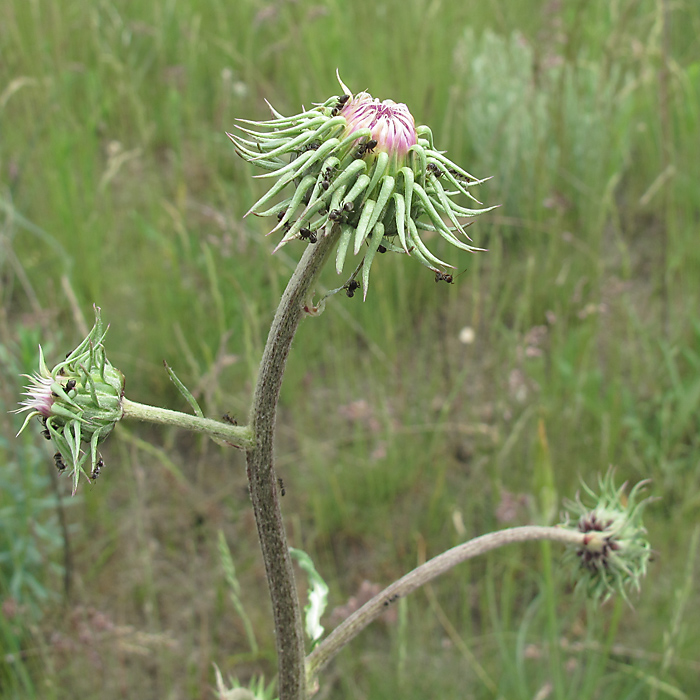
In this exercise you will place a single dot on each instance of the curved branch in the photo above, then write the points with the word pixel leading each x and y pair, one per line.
pixel 354 624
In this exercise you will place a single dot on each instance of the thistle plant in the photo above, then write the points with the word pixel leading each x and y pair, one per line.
pixel 81 399
pixel 362 177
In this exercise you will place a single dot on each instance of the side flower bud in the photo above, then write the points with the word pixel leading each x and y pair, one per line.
pixel 79 402
pixel 615 550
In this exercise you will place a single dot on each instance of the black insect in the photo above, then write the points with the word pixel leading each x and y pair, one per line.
pixel 335 215
pixel 339 105
pixel 58 461
pixel 70 384
pixel 348 206
pixel 228 418
pixel 307 234
pixel 281 485
pixel 444 277
pixel 458 176
pixel 432 168
pixel 287 224
pixel 366 147
pixel 350 288
pixel 381 249
pixel 327 177
pixel 45 432
pixel 96 469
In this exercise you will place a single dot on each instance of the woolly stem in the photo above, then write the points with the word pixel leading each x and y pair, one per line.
pixel 354 624
pixel 261 473
pixel 238 435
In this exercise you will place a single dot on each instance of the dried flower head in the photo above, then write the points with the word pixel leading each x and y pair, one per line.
pixel 78 401
pixel 361 169
pixel 615 550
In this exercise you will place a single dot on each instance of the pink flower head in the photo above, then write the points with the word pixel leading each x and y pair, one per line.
pixel 40 396
pixel 390 123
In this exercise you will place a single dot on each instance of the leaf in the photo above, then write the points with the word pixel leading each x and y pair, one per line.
pixel 318 594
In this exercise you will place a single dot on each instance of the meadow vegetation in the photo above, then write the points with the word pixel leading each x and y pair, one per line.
pixel 427 415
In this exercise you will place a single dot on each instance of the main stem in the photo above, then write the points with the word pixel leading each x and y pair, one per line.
pixel 261 473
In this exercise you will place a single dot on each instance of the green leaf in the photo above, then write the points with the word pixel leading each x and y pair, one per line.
pixel 318 594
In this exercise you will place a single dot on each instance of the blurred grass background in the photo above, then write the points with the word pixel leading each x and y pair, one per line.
pixel 430 414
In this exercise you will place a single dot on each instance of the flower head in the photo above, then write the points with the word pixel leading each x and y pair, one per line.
pixel 615 550
pixel 78 401
pixel 40 397
pixel 390 124
pixel 360 169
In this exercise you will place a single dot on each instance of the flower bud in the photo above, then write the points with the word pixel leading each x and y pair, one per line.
pixel 361 169
pixel 78 401
pixel 391 126
pixel 615 551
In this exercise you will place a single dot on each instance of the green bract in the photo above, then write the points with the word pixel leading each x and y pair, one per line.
pixel 78 401
pixel 359 168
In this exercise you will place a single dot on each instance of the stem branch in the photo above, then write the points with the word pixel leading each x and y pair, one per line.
pixel 354 624
pixel 238 435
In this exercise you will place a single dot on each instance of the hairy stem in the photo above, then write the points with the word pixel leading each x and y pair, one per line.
pixel 354 624
pixel 237 435
pixel 261 474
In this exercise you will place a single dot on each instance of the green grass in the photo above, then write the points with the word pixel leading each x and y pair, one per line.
pixel 395 440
